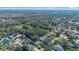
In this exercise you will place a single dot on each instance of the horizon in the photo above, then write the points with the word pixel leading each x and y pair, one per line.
pixel 39 8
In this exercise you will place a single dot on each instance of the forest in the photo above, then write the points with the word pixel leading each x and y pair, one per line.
pixel 39 30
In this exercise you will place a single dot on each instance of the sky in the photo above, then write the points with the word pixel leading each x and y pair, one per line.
pixel 39 3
